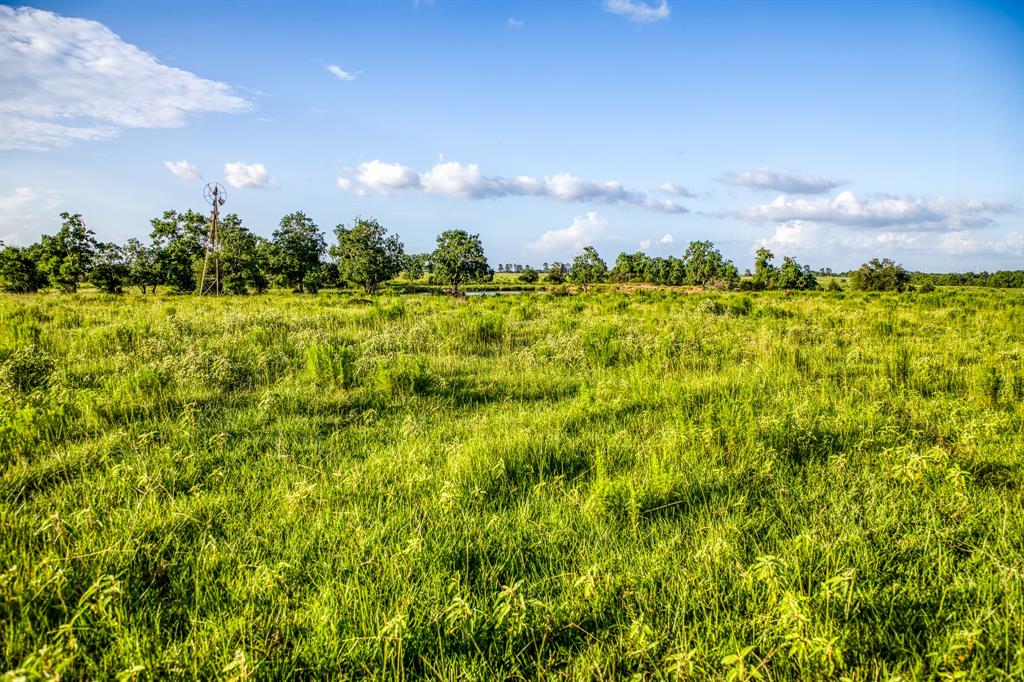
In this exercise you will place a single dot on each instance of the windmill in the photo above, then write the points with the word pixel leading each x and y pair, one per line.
pixel 215 195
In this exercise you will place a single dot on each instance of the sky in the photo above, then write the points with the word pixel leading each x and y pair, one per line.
pixel 832 132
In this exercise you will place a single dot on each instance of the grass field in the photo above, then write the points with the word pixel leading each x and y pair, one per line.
pixel 593 486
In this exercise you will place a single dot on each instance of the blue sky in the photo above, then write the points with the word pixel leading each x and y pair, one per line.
pixel 833 132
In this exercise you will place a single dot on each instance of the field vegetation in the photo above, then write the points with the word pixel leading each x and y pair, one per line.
pixel 649 484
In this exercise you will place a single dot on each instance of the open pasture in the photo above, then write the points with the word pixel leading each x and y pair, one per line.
pixel 591 486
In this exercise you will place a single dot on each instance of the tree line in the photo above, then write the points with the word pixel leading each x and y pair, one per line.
pixel 294 257
pixel 363 254
pixel 1001 279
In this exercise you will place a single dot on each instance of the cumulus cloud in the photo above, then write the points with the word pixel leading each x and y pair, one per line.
pixel 790 183
pixel 183 169
pixel 910 213
pixel 958 243
pixel 798 237
pixel 340 73
pixel 242 175
pixel 66 79
pixel 512 24
pixel 666 239
pixel 466 181
pixel 25 213
pixel 639 11
pixel 678 190
pixel 582 232
pixel 385 177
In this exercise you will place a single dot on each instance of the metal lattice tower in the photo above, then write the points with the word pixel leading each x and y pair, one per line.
pixel 215 195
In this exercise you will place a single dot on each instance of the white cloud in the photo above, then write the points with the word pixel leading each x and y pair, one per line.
pixel 452 178
pixel 513 24
pixel 27 213
pixel 242 175
pixel 799 237
pixel 907 212
pixel 183 169
pixel 66 79
pixel 666 239
pixel 639 11
pixel 340 73
pixel 385 177
pixel 582 232
pixel 790 183
pixel 678 190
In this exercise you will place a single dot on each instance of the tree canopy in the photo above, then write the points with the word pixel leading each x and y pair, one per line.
pixel 588 268
pixel 299 244
pixel 459 258
pixel 366 255
pixel 880 275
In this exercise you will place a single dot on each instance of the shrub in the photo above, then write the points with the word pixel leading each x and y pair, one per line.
pixel 18 272
pixel 528 275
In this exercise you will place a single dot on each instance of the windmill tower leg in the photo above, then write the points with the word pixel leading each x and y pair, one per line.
pixel 210 281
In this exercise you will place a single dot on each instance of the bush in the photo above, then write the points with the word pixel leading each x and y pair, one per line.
pixel 528 275
pixel 18 272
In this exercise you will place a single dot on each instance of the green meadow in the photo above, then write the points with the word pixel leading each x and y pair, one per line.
pixel 650 484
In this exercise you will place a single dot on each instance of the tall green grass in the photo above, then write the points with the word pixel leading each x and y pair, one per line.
pixel 598 486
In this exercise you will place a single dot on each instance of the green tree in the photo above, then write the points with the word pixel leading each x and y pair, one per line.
pixel 66 257
pixel 588 268
pixel 704 264
pixel 880 275
pixel 299 245
pixel 243 260
pixel 142 265
pixel 794 276
pixel 366 255
pixel 528 275
pixel 19 273
pixel 109 271
pixel 630 267
pixel 459 258
pixel 415 265
pixel 766 275
pixel 557 273
pixel 179 243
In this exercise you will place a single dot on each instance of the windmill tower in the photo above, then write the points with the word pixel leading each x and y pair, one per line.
pixel 215 195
